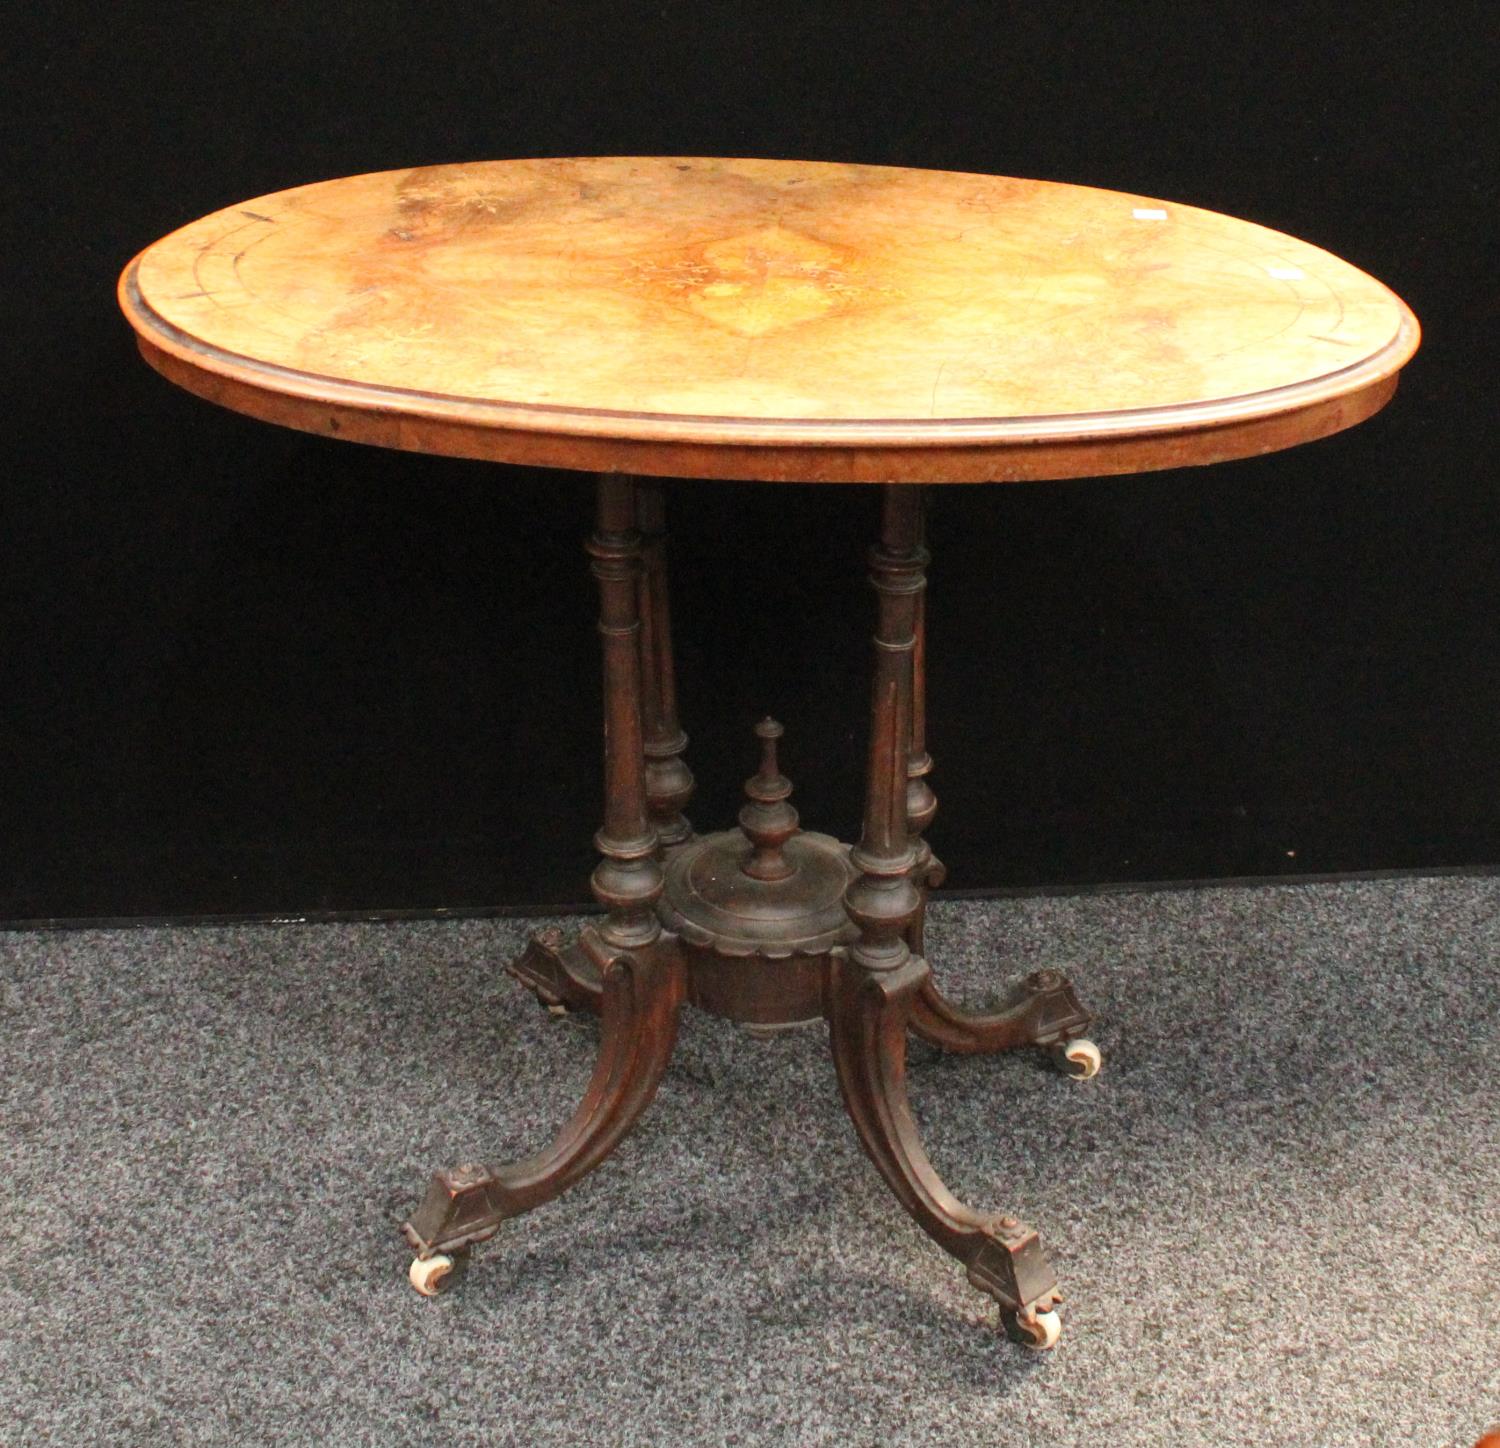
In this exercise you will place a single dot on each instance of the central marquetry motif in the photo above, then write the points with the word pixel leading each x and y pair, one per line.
pixel 760 281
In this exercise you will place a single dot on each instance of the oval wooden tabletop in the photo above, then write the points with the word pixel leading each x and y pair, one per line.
pixel 767 319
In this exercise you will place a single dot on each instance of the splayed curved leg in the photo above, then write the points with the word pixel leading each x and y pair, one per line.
pixel 641 995
pixel 873 984
pixel 868 1014
pixel 640 969
pixel 1043 1010
pixel 560 975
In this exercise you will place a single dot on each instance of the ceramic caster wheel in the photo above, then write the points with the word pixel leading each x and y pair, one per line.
pixel 1080 1058
pixel 1038 1330
pixel 435 1274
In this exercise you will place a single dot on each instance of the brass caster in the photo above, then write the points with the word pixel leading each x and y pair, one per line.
pixel 1037 1330
pixel 436 1274
pixel 1080 1058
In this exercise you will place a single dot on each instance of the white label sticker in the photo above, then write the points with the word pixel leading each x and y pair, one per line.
pixel 1149 213
pixel 1286 273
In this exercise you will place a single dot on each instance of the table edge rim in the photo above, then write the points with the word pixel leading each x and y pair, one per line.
pixel 767 432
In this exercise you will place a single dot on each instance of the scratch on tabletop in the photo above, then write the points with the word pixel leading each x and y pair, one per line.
pixel 932 402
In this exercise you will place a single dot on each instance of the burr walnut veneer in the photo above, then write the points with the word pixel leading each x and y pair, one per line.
pixel 791 321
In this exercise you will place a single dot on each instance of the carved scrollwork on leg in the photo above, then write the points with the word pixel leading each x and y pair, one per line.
pixel 641 974
pixel 1043 1010
pixel 873 984
pixel 641 996
pixel 559 975
pixel 868 1015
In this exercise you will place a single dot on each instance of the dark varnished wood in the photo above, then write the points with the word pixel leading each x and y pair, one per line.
pixel 883 900
pixel 868 1012
pixel 628 879
pixel 626 967
pixel 558 972
pixel 769 924
pixel 1043 1009
pixel 921 802
pixel 759 908
pixel 642 992
pixel 669 781
pixel 874 984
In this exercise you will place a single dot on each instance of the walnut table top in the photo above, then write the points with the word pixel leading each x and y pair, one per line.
pixel 771 320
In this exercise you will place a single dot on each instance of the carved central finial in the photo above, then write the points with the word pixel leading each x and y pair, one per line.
pixel 768 821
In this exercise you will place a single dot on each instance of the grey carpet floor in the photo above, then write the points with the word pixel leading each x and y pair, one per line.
pixel 1276 1213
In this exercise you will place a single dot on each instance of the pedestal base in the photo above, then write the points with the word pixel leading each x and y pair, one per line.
pixel 757 950
pixel 639 995
pixel 767 925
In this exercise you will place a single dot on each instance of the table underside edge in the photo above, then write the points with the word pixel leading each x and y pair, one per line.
pixel 938 462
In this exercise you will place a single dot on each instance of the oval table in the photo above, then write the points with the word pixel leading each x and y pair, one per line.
pixel 787 321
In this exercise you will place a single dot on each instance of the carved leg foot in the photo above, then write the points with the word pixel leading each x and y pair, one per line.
pixel 641 995
pixel 868 1015
pixel 1043 1011
pixel 559 975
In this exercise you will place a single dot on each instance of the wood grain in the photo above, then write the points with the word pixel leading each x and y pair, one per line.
pixel 774 319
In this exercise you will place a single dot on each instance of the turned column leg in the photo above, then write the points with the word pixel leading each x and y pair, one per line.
pixel 669 782
pixel 646 783
pixel 883 900
pixel 628 879
pixel 1043 1009
pixel 634 970
pixel 921 802
pixel 873 984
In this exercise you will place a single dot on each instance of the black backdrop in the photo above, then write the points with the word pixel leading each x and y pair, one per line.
pixel 247 670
